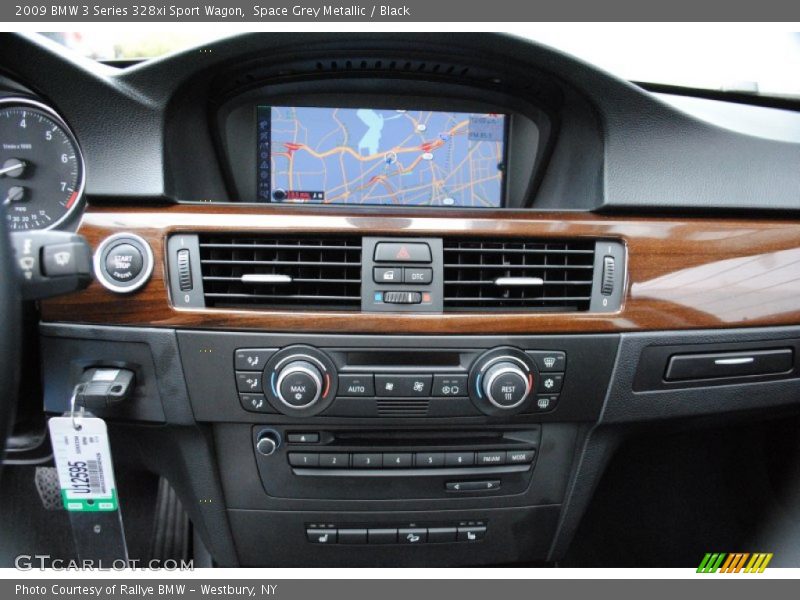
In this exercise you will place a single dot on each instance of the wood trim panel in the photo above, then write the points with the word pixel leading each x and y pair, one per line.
pixel 681 273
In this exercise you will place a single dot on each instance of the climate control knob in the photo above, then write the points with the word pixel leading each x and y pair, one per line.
pixel 502 381
pixel 506 385
pixel 299 384
pixel 300 381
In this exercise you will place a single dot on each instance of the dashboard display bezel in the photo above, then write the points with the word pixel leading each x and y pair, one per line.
pixel 528 129
pixel 261 109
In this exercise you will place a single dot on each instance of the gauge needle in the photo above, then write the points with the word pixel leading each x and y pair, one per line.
pixel 15 194
pixel 11 165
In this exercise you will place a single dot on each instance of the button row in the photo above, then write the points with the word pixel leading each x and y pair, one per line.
pixel 400 535
pixel 391 275
pixel 403 385
pixel 407 460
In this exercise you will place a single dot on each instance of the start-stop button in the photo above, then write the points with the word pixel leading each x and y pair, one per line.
pixel 123 262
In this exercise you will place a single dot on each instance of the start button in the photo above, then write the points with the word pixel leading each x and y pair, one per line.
pixel 124 262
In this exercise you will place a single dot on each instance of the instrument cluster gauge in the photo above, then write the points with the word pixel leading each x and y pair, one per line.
pixel 41 166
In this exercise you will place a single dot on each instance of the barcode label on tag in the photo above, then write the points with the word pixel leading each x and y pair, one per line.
pixel 83 461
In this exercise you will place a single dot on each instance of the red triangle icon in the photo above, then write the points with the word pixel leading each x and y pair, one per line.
pixel 403 253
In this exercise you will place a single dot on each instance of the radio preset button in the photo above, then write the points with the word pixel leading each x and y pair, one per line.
pixel 367 460
pixel 334 460
pixel 303 459
pixel 459 459
pixel 429 459
pixel 398 460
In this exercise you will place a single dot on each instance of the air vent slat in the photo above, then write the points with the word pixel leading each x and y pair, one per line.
pixel 251 271
pixel 545 276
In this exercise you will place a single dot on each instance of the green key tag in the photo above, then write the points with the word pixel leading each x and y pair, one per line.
pixel 83 462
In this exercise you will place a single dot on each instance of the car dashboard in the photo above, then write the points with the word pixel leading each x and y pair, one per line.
pixel 391 290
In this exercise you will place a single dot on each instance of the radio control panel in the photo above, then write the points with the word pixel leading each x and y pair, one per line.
pixel 408 463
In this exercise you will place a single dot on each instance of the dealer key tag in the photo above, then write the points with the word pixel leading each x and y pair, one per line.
pixel 88 491
pixel 83 462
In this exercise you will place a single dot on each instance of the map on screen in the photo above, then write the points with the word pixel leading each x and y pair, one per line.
pixel 377 156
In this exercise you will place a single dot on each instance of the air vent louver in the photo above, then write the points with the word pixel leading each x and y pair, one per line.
pixel 281 272
pixel 518 275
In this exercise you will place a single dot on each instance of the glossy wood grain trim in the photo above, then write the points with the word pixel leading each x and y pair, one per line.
pixel 681 273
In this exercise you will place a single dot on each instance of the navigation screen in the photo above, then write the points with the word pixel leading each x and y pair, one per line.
pixel 374 156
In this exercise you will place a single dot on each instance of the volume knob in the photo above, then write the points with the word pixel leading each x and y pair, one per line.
pixel 506 385
pixel 299 384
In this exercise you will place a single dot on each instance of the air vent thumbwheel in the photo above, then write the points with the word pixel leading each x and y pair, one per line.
pixel 300 381
pixel 502 381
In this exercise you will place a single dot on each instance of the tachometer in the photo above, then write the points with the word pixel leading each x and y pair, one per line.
pixel 41 166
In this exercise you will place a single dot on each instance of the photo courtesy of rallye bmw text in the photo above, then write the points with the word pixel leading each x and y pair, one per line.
pixel 398 300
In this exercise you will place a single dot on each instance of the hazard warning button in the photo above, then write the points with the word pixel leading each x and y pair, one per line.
pixel 402 252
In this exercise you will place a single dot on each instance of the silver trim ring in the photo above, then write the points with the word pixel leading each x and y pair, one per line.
pixel 137 282
pixel 299 369
pixel 16 100
pixel 500 371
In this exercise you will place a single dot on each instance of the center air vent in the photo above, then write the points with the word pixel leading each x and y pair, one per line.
pixel 517 274
pixel 281 272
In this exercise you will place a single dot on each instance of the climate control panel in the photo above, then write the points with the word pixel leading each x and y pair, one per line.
pixel 304 381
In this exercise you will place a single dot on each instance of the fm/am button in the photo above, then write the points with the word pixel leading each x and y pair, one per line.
pixel 356 386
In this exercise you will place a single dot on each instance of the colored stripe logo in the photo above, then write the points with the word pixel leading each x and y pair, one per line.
pixel 736 562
